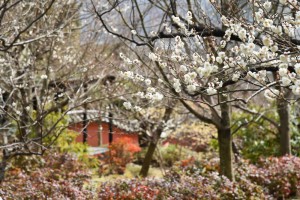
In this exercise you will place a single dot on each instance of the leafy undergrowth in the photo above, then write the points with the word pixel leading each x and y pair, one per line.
pixel 55 176
pixel 274 178
pixel 63 176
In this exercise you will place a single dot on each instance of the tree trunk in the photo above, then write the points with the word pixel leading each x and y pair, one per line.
pixel 3 165
pixel 235 151
pixel 225 139
pixel 153 143
pixel 225 153
pixel 148 159
pixel 284 127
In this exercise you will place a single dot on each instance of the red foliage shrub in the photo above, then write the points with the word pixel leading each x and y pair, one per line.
pixel 60 177
pixel 121 152
pixel 185 187
pixel 280 176
pixel 274 178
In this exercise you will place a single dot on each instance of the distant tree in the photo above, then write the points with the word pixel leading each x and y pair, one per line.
pixel 43 71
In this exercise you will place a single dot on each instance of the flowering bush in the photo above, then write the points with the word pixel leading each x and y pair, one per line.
pixel 60 176
pixel 121 152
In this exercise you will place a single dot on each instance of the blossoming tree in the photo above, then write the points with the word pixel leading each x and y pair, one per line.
pixel 210 54
pixel 43 71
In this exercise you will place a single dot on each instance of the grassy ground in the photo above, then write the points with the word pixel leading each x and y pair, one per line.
pixel 132 170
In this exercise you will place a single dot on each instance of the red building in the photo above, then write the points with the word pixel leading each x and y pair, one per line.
pixel 98 128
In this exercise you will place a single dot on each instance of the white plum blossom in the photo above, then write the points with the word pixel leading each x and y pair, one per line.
pixel 139 77
pixel 137 108
pixel 206 70
pixel 296 87
pixel 222 54
pixel 277 29
pixel 242 33
pixel 283 71
pixel 189 17
pixel 128 75
pixel 133 32
pixel 297 68
pixel 285 81
pixel 223 44
pixel 267 5
pixel 211 91
pixel 151 89
pixel 178 22
pixel 175 19
pixel 149 96
pixel 157 96
pixel 284 58
pixel 283 65
pixel 182 68
pixel 259 15
pixel 163 64
pixel 271 94
pixel 44 76
pixel 274 48
pixel 121 55
pixel 219 60
pixel 236 76
pixel 140 94
pixel 267 23
pixel 283 2
pixel 168 30
pixel 225 21
pixel 127 105
pixel 267 41
pixel 147 81
pixel 189 77
pixel 153 57
pixel 191 88
pixel 153 33
pixel 179 42
pixel 135 61
pixel 177 85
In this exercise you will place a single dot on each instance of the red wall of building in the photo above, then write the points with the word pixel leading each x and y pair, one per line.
pixel 93 130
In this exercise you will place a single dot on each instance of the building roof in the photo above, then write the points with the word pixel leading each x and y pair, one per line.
pixel 130 126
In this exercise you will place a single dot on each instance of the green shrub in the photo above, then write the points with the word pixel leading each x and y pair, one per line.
pixel 169 154
pixel 66 144
pixel 259 138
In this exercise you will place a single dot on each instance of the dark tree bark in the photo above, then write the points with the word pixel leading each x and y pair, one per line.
pixel 153 144
pixel 3 165
pixel 225 153
pixel 284 127
pixel 284 120
pixel 147 160
pixel 110 126
pixel 235 151
pixel 225 140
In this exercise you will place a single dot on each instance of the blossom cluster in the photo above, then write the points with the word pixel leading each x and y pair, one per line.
pixel 253 48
